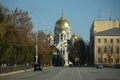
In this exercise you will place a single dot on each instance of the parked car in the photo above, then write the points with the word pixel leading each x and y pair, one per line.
pixel 38 67
pixel 117 65
pixel 99 66
pixel 70 65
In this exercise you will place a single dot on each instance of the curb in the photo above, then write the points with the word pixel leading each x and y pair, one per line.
pixel 20 71
pixel 14 72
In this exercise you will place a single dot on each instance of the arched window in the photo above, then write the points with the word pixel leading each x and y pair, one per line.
pixel 63 52
pixel 64 37
pixel 48 40
pixel 61 36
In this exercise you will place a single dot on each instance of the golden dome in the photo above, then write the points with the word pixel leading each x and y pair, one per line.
pixel 74 36
pixel 50 36
pixel 62 23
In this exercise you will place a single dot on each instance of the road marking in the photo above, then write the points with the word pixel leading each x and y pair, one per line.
pixel 57 75
pixel 80 75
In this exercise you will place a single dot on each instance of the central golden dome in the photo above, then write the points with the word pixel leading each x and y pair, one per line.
pixel 62 21
pixel 62 25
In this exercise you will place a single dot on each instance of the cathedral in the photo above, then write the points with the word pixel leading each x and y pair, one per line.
pixel 61 40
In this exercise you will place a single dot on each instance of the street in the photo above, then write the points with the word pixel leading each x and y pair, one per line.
pixel 67 73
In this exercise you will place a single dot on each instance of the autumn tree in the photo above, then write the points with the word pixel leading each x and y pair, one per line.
pixel 17 40
pixel 16 44
pixel 44 49
pixel 3 42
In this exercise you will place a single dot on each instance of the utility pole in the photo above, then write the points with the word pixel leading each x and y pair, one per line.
pixel 36 46
pixel 109 14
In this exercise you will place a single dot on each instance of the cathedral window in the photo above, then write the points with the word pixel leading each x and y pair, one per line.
pixel 61 37
pixel 61 45
pixel 63 52
pixel 49 40
pixel 64 37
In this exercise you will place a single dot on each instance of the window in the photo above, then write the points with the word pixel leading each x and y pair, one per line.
pixel 61 36
pixel 117 40
pixel 63 52
pixel 105 40
pixel 105 49
pixel 111 49
pixel 49 41
pixel 99 41
pixel 64 37
pixel 117 60
pixel 99 60
pixel 99 50
pixel 111 40
pixel 105 60
pixel 118 51
pixel 111 60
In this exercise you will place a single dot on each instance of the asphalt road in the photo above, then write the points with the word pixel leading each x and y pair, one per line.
pixel 67 73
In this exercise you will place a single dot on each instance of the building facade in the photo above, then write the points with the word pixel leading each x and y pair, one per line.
pixel 61 40
pixel 105 42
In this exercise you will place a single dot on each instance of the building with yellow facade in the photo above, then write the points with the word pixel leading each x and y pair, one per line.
pixel 105 42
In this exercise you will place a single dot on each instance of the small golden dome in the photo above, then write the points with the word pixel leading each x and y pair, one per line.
pixel 74 36
pixel 50 36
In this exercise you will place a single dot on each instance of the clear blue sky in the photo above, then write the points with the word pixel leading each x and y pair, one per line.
pixel 79 13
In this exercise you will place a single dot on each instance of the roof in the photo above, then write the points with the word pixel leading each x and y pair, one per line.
pixel 109 32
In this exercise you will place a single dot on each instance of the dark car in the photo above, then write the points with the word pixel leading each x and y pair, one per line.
pixel 38 67
pixel 99 66
pixel 117 65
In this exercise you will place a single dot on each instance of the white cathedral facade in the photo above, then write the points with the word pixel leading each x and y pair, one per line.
pixel 62 39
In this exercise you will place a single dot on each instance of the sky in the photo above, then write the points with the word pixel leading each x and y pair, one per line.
pixel 79 13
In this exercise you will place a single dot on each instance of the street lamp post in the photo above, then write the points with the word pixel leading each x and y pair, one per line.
pixel 36 46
